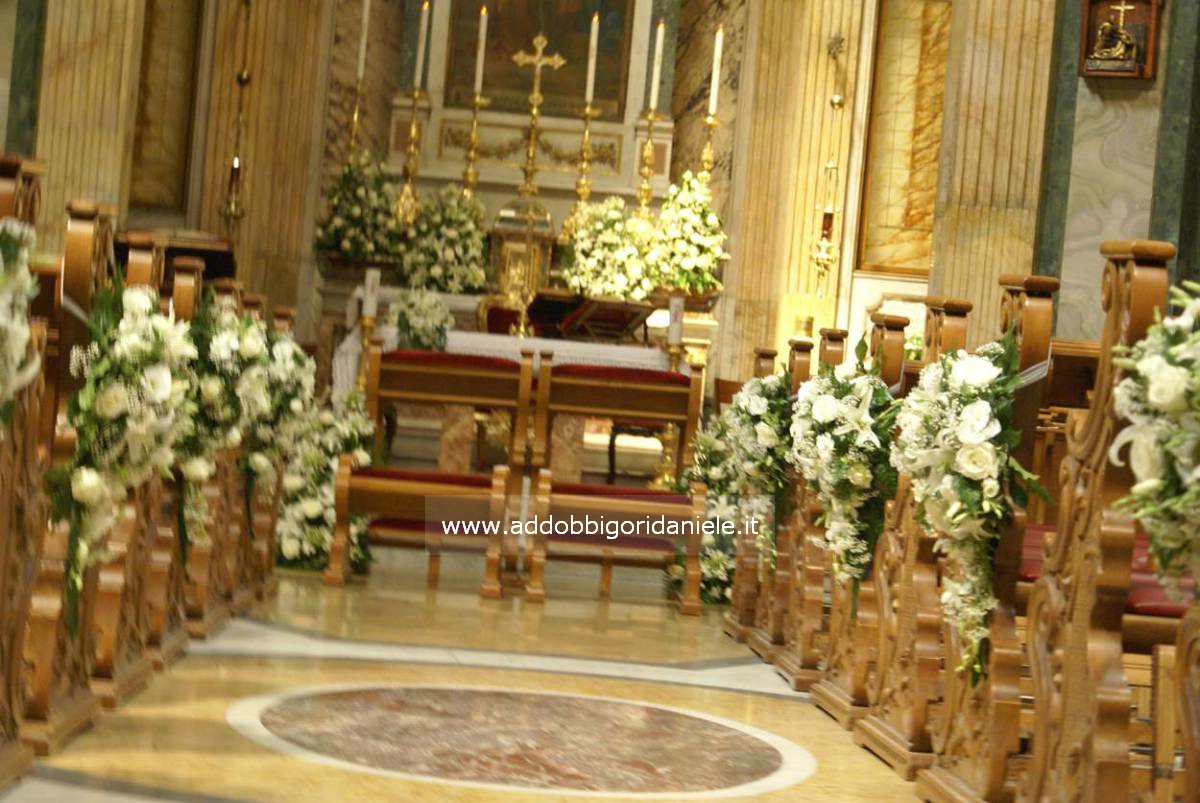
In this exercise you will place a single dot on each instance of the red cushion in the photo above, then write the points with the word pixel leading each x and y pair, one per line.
pixel 1148 598
pixel 653 494
pixel 419 357
pixel 618 374
pixel 663 545
pixel 1031 551
pixel 417 475
pixel 433 527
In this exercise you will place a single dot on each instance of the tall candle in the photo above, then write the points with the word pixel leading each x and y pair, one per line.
pixel 675 328
pixel 370 307
pixel 362 43
pixel 419 71
pixel 715 86
pixel 483 17
pixel 593 43
pixel 656 76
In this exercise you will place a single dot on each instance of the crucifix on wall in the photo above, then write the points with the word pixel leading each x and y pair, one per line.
pixel 1119 38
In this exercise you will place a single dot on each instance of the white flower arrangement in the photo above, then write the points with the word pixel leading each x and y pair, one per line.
pixel 955 441
pixel 421 320
pixel 1159 395
pixel 359 224
pixel 758 424
pixel 17 287
pixel 307 515
pixel 688 238
pixel 841 431
pixel 127 416
pixel 607 254
pixel 446 245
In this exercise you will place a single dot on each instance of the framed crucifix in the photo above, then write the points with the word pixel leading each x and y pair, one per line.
pixel 1119 38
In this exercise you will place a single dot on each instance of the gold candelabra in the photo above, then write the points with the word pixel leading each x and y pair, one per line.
pixel 583 185
pixel 471 172
pixel 405 207
pixel 645 194
pixel 708 157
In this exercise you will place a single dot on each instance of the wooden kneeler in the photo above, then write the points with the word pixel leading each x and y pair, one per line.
pixel 853 623
pixel 806 626
pixel 766 638
pixel 905 680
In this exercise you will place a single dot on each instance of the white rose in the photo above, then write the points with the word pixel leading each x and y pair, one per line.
pixel 757 405
pixel 825 408
pixel 157 382
pixel 259 463
pixel 1167 388
pixel 137 301
pixel 211 388
pixel 361 457
pixel 766 435
pixel 296 406
pixel 859 475
pixel 197 470
pixel 87 487
pixel 973 372
pixel 846 371
pixel 292 483
pixel 977 424
pixel 113 401
pixel 977 461
pixel 234 438
pixel 1145 458
pixel 252 346
pixel 312 508
pixel 290 548
pixel 223 346
pixel 991 488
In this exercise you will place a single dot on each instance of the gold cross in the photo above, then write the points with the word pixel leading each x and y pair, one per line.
pixel 1121 8
pixel 537 60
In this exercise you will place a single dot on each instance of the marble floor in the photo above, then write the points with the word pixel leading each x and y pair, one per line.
pixel 384 691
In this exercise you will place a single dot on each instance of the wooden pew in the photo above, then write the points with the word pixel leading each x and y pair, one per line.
pixel 60 702
pixel 806 627
pixel 20 188
pixel 853 623
pixel 904 682
pixel 766 638
pixel 976 727
pixel 1088 611
pixel 743 600
pixel 430 377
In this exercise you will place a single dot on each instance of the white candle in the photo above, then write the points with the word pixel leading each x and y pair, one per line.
pixel 362 43
pixel 593 43
pixel 419 70
pixel 371 293
pixel 715 86
pixel 656 76
pixel 675 328
pixel 483 17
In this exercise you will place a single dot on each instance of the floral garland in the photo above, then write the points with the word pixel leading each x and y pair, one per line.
pixel 307 514
pixel 127 417
pixel 759 420
pixel 607 254
pixel 955 442
pixel 1158 397
pixel 689 238
pixel 421 320
pixel 17 287
pixel 359 224
pixel 447 244
pixel 841 429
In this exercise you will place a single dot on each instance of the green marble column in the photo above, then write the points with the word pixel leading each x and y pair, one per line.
pixel 1060 140
pixel 1174 208
pixel 21 133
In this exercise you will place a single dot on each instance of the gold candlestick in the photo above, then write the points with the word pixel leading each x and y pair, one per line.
pixel 355 115
pixel 405 207
pixel 708 156
pixel 645 194
pixel 583 185
pixel 368 329
pixel 470 172
pixel 537 59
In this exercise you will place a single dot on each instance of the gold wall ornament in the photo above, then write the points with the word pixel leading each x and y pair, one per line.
pixel 456 136
pixel 471 172
pixel 583 185
pixel 537 59
pixel 1119 38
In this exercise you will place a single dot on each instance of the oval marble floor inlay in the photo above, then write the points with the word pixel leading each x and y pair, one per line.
pixel 524 740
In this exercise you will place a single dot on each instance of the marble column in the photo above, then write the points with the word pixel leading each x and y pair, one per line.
pixel 992 141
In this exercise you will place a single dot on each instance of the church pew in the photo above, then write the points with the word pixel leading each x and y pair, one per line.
pixel 568 502
pixel 853 617
pixel 431 377
pixel 20 187
pixel 59 699
pixel 975 729
pixel 766 638
pixel 22 522
pixel 743 599
pixel 1090 607
pixel 904 682
pixel 805 627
